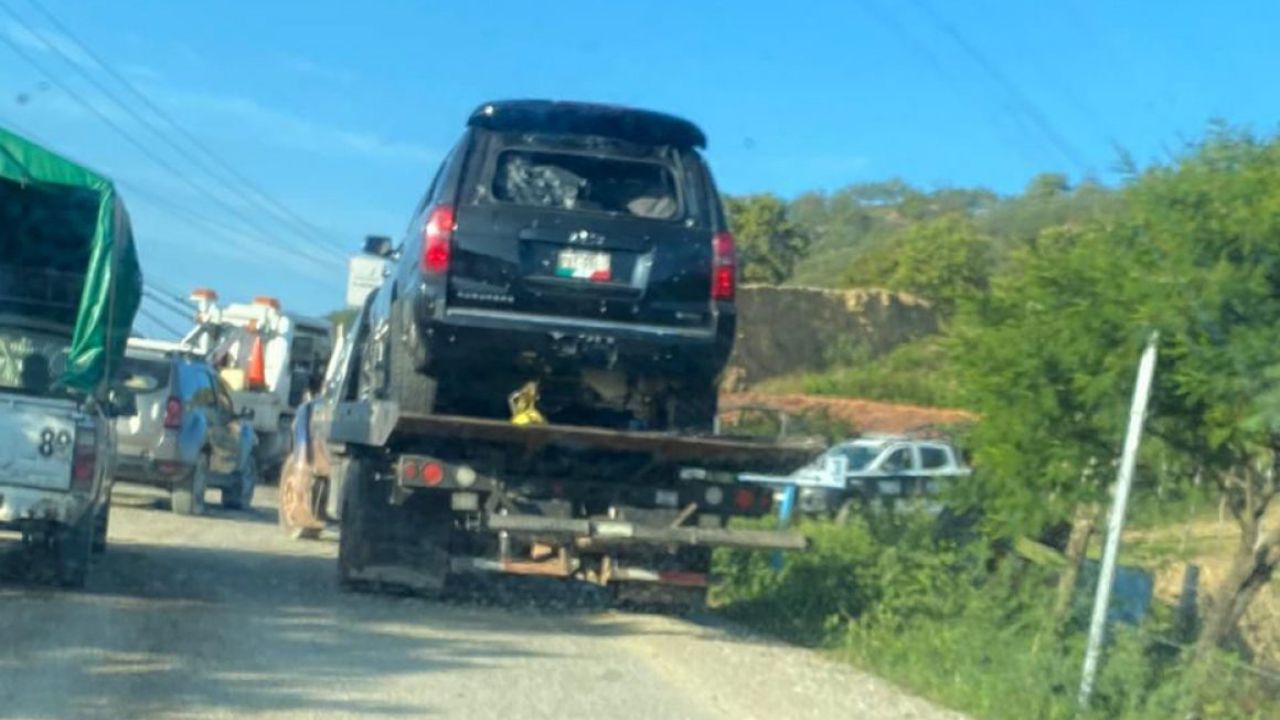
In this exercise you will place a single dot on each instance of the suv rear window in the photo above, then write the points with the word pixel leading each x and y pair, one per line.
pixel 592 183
pixel 142 375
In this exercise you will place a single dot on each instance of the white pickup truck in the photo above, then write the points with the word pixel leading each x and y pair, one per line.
pixel 70 284
pixel 885 468
pixel 56 453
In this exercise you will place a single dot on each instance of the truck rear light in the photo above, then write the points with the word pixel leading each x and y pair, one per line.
pixel 432 473
pixel 173 413
pixel 724 266
pixel 743 499
pixel 437 239
pixel 83 459
pixel 409 470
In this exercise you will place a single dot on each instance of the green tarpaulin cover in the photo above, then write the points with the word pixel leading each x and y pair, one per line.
pixel 61 220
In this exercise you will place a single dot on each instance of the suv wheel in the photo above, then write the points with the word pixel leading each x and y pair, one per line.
pixel 414 391
pixel 187 497
pixel 241 497
pixel 694 409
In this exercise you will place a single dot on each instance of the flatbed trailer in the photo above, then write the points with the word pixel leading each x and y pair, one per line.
pixel 422 497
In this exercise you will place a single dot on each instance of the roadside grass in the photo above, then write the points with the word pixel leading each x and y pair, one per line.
pixel 968 626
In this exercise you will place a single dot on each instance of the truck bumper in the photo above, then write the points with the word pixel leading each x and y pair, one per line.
pixel 618 533
pixel 466 335
pixel 21 507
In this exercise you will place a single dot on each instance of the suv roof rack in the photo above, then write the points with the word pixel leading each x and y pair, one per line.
pixel 579 118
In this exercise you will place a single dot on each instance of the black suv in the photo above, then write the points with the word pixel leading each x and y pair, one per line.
pixel 581 246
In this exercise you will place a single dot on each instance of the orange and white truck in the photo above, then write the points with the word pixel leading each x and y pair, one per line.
pixel 271 360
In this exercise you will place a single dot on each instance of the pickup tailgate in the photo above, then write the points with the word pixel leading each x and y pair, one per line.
pixel 37 438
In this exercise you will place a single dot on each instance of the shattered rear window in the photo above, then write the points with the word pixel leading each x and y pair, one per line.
pixel 588 183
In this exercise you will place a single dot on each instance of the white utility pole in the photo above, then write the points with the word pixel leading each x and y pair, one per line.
pixel 1115 521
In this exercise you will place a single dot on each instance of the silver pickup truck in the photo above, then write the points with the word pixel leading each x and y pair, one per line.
pixel 70 284
pixel 56 453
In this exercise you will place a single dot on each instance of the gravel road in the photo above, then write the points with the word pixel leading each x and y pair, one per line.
pixel 222 617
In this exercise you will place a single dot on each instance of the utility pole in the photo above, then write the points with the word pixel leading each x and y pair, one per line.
pixel 1115 521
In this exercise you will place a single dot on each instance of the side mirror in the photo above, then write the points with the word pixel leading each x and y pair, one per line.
pixel 379 245
pixel 120 403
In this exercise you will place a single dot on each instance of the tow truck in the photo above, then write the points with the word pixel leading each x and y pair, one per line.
pixel 422 497
pixel 269 359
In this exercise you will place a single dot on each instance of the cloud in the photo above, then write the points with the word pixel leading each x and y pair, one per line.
pixel 287 129
pixel 298 65
pixel 46 41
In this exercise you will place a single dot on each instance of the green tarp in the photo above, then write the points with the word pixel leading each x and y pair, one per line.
pixel 67 221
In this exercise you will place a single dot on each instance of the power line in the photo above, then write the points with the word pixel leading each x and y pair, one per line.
pixel 162 301
pixel 158 322
pixel 263 199
pixel 892 23
pixel 106 119
pixel 1020 100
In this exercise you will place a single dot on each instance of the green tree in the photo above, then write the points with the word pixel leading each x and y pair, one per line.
pixel 1048 355
pixel 769 242
pixel 944 260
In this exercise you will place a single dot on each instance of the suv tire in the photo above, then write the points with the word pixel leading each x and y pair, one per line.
pixel 241 497
pixel 187 497
pixel 694 409
pixel 414 391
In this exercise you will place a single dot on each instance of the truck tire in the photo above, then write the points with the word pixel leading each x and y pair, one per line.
pixel 73 550
pixel 241 496
pixel 101 521
pixel 187 496
pixel 406 384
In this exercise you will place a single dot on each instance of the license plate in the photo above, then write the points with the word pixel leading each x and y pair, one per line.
pixel 584 265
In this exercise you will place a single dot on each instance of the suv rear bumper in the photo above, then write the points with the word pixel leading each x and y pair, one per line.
pixel 150 471
pixel 475 335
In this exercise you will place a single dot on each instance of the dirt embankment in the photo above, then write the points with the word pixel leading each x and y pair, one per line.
pixel 867 416
pixel 792 329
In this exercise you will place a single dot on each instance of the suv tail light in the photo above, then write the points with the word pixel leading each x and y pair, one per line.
pixel 173 413
pixel 437 239
pixel 724 266
pixel 83 459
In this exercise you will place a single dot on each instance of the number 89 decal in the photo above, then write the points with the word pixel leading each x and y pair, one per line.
pixel 49 441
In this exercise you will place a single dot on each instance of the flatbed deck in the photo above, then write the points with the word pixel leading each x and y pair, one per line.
pixel 381 424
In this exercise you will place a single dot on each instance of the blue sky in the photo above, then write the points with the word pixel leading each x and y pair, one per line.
pixel 340 110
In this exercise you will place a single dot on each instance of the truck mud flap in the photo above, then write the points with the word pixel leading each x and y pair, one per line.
pixel 409 578
pixel 614 533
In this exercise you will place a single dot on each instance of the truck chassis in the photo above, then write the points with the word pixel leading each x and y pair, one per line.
pixel 422 497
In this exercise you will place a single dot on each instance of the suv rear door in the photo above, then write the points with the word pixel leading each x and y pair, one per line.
pixel 583 227
pixel 200 389
pixel 150 379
